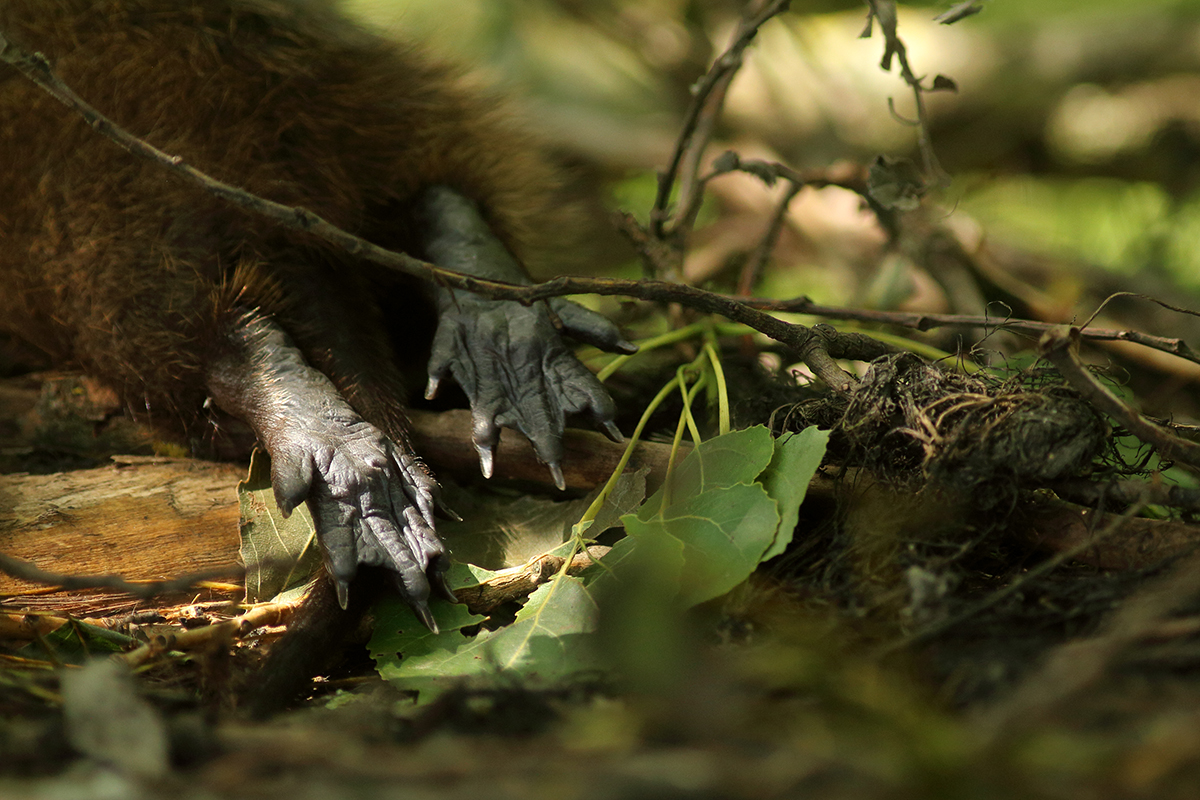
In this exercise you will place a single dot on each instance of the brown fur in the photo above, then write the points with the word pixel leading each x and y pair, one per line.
pixel 108 262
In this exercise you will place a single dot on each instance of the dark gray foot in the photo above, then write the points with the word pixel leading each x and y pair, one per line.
pixel 510 359
pixel 371 500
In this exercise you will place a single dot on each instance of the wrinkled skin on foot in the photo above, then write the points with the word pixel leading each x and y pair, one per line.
pixel 510 359
pixel 517 372
pixel 370 499
pixel 371 502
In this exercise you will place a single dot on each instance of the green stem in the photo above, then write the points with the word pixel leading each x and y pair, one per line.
pixel 589 516
pixel 722 389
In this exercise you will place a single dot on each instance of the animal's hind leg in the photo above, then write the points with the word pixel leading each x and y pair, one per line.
pixel 371 499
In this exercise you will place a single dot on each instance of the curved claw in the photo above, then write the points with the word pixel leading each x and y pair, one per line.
pixel 557 474
pixel 485 435
pixel 439 582
pixel 446 511
pixel 444 591
pixel 412 583
pixel 343 592
pixel 341 555
pixel 612 431
pixel 422 612
pixel 486 455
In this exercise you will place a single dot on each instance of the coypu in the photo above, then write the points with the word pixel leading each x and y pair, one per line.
pixel 175 298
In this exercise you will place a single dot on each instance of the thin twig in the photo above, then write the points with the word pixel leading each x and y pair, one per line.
pixel 852 177
pixel 757 263
pixel 725 64
pixel 1138 296
pixel 657 257
pixel 922 321
pixel 692 185
pixel 143 590
pixel 797 337
pixel 519 582
pixel 1125 492
pixel 884 11
pixel 219 633
pixel 1062 350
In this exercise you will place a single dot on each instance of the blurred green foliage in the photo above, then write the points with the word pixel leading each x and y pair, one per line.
pixel 1120 225
pixel 610 78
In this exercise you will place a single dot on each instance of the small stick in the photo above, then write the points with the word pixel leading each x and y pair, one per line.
pixel 143 590
pixel 1062 350
pixel 797 337
pixel 721 71
pixel 922 321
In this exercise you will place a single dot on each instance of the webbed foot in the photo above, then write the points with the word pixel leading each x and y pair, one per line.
pixel 511 359
pixel 371 500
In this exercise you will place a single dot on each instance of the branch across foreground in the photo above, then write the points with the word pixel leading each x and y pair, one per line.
pixel 816 346
pixel 810 346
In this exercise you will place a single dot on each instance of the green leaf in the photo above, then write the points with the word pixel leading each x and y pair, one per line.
pixel 405 650
pixel 398 632
pixel 279 553
pixel 731 504
pixel 543 642
pixel 546 641
pixel 643 631
pixel 797 457
pixel 647 553
pixel 724 533
pixel 736 457
pixel 499 531
pixel 76 642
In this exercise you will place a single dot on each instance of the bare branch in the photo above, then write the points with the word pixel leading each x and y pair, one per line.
pixel 797 337
pixel 885 12
pixel 1127 492
pixel 518 582
pixel 757 263
pixel 925 322
pixel 719 74
pixel 267 614
pixel 1062 350
pixel 143 590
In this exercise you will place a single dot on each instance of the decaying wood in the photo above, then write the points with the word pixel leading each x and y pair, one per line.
pixel 218 633
pixel 153 519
